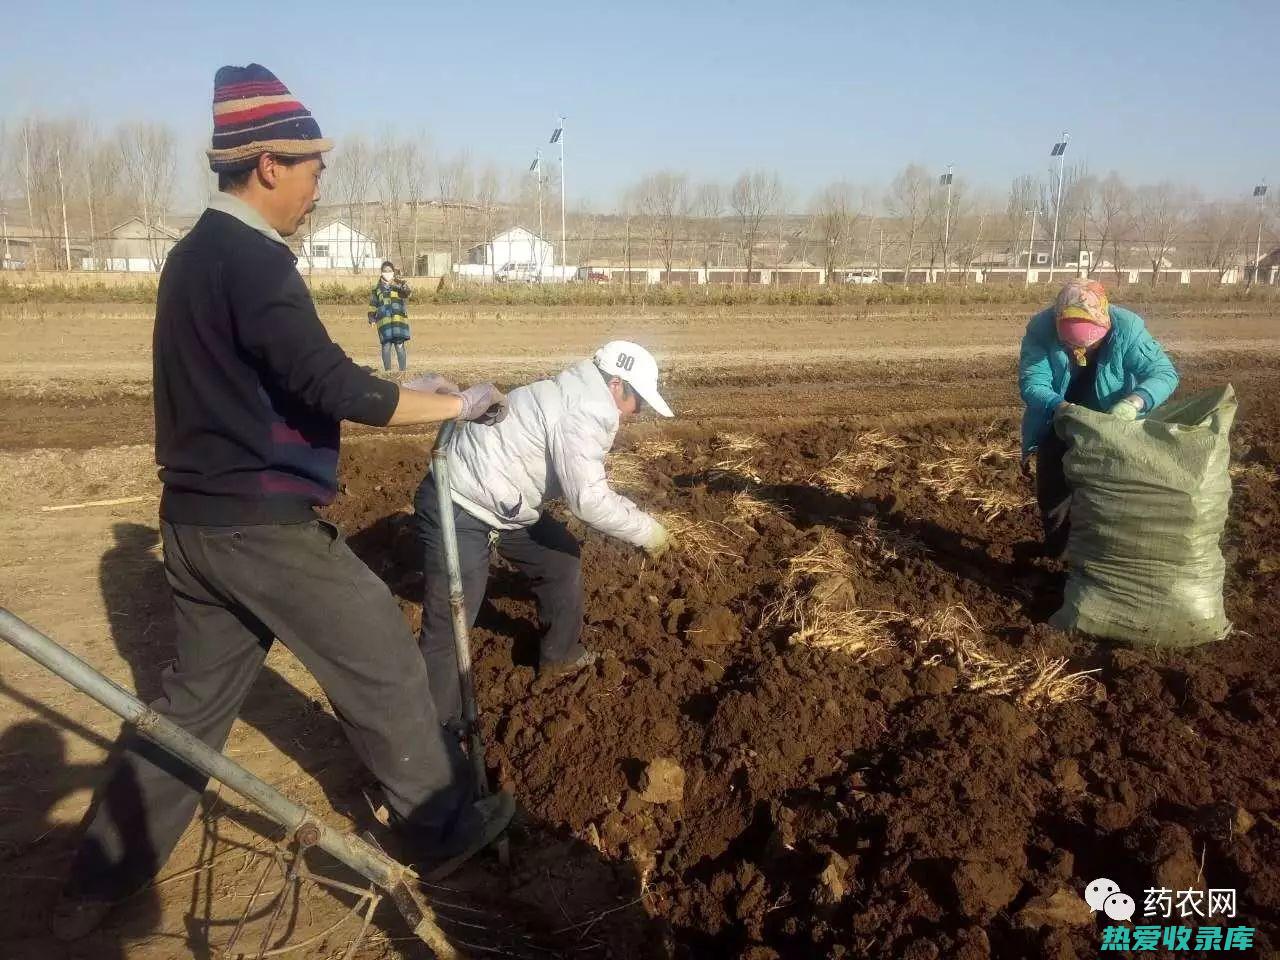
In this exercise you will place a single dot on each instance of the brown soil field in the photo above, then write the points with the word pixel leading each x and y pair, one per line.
pixel 853 789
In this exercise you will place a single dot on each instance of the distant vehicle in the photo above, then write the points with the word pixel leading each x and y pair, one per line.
pixel 517 273
pixel 861 276
pixel 596 276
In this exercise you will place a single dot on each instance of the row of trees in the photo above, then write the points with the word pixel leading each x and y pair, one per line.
pixel 68 172
pixel 76 181
pixel 923 221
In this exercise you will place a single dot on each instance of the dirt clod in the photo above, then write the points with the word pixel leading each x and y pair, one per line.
pixel 662 781
pixel 1062 908
pixel 983 889
pixel 715 627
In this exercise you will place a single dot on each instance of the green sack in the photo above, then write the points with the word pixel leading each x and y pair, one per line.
pixel 1148 506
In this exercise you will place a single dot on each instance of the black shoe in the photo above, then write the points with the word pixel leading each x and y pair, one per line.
pixel 479 825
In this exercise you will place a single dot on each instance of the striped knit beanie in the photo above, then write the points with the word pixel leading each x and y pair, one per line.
pixel 254 113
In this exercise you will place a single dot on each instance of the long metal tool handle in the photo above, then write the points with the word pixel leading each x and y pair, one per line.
pixel 458 605
pixel 301 823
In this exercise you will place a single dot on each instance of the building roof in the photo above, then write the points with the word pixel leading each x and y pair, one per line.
pixel 516 234
pixel 154 228
pixel 337 222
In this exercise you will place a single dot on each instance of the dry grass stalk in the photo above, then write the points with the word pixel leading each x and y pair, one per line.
pixel 886 543
pixel 703 544
pixel 954 636
pixel 827 559
pixel 995 451
pixel 847 471
pixel 626 472
pixel 738 443
pixel 1254 471
pixel 735 469
pixel 878 438
pixel 949 476
pixel 747 508
pixel 1048 683
pixel 994 502
pixel 855 633
pixel 958 476
pixel 655 447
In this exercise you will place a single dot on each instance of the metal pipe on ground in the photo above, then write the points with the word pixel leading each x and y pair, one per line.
pixel 371 863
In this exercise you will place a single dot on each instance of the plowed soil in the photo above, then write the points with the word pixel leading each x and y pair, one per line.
pixel 880 807
pixel 718 783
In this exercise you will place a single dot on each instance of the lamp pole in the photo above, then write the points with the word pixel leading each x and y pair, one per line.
pixel 1059 150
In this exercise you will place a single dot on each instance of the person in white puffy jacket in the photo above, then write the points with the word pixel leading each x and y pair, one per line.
pixel 551 444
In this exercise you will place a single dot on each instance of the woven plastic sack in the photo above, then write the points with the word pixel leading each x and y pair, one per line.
pixel 1148 506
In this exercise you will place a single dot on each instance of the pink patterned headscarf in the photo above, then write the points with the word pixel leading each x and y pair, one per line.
pixel 1083 316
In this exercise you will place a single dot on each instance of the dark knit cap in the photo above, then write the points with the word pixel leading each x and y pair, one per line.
pixel 254 113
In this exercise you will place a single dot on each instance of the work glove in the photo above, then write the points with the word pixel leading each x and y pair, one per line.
pixel 660 544
pixel 482 403
pixel 1128 408
pixel 433 383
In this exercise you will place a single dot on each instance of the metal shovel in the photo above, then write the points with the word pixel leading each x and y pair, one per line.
pixel 458 610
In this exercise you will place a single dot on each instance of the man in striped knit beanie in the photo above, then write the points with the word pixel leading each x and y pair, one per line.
pixel 250 393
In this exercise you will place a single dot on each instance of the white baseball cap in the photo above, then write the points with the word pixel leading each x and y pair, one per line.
pixel 634 365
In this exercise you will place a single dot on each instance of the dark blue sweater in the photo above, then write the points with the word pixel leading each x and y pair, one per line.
pixel 249 388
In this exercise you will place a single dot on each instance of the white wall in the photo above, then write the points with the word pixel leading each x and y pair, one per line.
pixel 338 247
pixel 520 248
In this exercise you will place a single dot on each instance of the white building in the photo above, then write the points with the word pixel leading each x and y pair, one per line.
pixel 133 246
pixel 519 251
pixel 336 246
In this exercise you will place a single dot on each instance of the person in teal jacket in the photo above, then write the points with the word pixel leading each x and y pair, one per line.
pixel 1084 351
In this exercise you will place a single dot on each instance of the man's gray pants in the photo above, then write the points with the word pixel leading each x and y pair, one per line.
pixel 545 553
pixel 235 590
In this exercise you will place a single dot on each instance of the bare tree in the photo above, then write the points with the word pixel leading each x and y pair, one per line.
pixel 1069 215
pixel 837 210
pixel 971 217
pixel 662 198
pixel 352 173
pixel 707 207
pixel 1108 212
pixel 1162 214
pixel 391 165
pixel 101 172
pixel 453 177
pixel 40 148
pixel 148 156
pixel 755 195
pixel 1023 194
pixel 1219 230
pixel 908 202
pixel 488 201
pixel 417 177
pixel 947 216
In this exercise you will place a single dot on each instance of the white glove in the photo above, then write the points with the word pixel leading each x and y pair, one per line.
pixel 483 403
pixel 1128 408
pixel 660 543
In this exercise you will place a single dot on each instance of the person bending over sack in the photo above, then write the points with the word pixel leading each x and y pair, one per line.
pixel 1082 350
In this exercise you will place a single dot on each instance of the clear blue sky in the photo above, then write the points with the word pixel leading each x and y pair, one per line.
pixel 818 91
